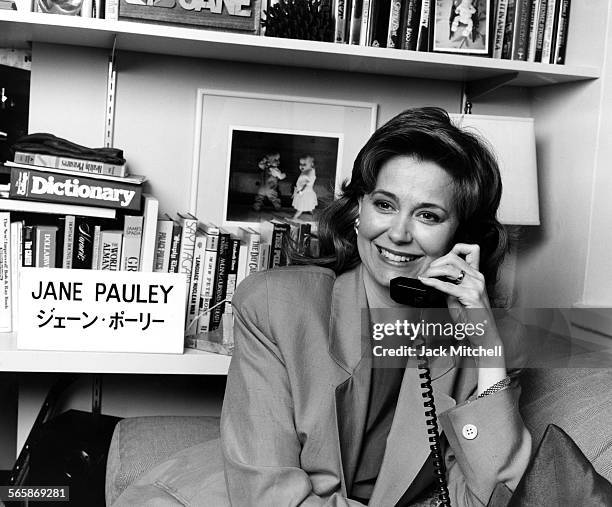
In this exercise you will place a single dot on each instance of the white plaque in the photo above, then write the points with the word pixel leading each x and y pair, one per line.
pixel 101 311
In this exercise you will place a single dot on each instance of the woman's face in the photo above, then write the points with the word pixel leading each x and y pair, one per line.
pixel 407 221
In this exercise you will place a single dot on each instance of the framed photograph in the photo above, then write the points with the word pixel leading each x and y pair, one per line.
pixel 259 156
pixel 462 26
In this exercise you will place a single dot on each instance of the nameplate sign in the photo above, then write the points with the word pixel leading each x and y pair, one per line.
pixel 101 311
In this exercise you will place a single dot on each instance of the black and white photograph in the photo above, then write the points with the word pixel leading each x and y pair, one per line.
pixel 461 26
pixel 254 267
pixel 280 174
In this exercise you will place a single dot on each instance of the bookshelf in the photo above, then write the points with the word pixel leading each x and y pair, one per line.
pixel 18 29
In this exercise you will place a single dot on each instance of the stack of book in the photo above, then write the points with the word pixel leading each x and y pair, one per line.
pixel 528 30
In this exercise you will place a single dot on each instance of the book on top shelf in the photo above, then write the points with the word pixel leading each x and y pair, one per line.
pixel 70 164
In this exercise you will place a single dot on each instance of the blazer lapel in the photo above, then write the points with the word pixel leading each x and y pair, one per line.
pixel 348 345
pixel 408 436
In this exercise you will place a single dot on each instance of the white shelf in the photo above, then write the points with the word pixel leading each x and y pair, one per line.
pixel 192 362
pixel 18 29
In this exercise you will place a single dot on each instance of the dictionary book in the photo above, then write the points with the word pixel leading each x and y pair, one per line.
pixel 35 185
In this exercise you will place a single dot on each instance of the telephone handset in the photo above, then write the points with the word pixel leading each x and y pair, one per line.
pixel 411 291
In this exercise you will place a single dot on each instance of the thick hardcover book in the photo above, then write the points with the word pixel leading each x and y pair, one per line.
pixel 82 247
pixel 560 44
pixel 41 186
pixel 380 23
pixel 499 27
pixel 45 246
pixel 232 272
pixel 132 237
pixel 51 208
pixel 208 285
pixel 5 272
pixel 521 30
pixel 549 29
pixel 70 164
pixel 195 285
pixel 132 178
pixel 68 241
pixel 29 246
pixel 110 250
pixel 220 285
pixel 162 245
pixel 409 26
pixel 395 19
pixel 150 210
pixel 189 225
pixel 509 30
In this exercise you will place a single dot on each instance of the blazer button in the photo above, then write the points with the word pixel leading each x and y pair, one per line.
pixel 469 432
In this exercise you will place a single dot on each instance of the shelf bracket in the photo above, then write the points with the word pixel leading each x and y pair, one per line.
pixel 111 84
pixel 479 87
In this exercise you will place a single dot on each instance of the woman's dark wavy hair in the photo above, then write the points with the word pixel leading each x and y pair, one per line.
pixel 429 135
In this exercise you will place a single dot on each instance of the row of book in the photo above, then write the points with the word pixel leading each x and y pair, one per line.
pixel 528 30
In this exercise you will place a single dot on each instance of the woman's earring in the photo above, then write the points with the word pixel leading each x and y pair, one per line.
pixel 357 226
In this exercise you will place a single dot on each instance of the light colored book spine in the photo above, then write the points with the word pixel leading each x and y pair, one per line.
pixel 395 13
pixel 252 239
pixel 149 232
pixel 500 27
pixel 16 251
pixel 366 21
pixel 424 28
pixel 68 242
pixel 110 250
pixel 341 14
pixel 264 256
pixel 5 272
pixel 111 9
pixel 210 262
pixel 132 237
pixel 195 286
pixel 242 263
pixel 70 164
pixel 162 246
pixel 536 6
pixel 551 11
pixel 45 246
pixel 96 247
pixel 189 223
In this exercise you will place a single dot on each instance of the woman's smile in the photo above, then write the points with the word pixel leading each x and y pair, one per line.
pixel 395 257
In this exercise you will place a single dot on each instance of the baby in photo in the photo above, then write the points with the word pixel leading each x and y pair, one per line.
pixel 304 196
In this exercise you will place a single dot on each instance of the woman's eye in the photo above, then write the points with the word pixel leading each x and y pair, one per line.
pixel 383 205
pixel 429 216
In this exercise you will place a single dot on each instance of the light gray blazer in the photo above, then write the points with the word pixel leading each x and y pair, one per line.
pixel 293 416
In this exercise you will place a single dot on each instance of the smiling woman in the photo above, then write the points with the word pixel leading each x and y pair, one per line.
pixel 308 417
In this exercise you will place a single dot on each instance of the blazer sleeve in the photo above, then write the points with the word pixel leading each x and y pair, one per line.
pixel 260 446
pixel 488 444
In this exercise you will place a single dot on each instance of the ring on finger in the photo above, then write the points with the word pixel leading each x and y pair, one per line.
pixel 460 278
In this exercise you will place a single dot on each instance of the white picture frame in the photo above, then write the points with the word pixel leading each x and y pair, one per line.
pixel 220 112
pixel 453 34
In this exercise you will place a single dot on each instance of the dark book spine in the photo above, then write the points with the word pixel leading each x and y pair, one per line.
pixel 220 289
pixel 410 24
pixel 562 28
pixel 509 30
pixel 59 242
pixel 380 23
pixel 29 246
pixel 232 272
pixel 521 42
pixel 395 18
pixel 82 247
pixel 31 185
pixel 175 248
pixel 278 256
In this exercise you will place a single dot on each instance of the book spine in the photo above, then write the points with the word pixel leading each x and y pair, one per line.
pixel 242 263
pixel 540 32
pixel 253 253
pixel 29 246
pixel 96 247
pixel 70 164
pixel 340 35
pixel 220 288
pixel 149 231
pixel 188 235
pixel 111 9
pixel 562 29
pixel 132 237
pixel 195 285
pixel 264 256
pixel 547 42
pixel 210 265
pixel 393 34
pixel 162 246
pixel 82 250
pixel 175 248
pixel 500 27
pixel 509 30
pixel 356 17
pixel 110 250
pixel 380 23
pixel 533 29
pixel 521 30
pixel 232 272
pixel 366 20
pixel 16 245
pixel 423 37
pixel 34 185
pixel 68 242
pixel 45 241
pixel 5 272
pixel 409 25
